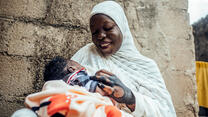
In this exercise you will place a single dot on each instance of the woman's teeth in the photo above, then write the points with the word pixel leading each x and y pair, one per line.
pixel 104 44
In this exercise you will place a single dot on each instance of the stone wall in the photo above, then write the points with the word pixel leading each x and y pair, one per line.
pixel 34 31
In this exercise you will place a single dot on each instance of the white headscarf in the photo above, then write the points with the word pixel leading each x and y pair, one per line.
pixel 136 71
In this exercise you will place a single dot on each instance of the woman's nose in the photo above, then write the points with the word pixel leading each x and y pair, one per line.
pixel 101 35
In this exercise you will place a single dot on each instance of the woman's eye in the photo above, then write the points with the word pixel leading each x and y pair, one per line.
pixel 94 33
pixel 108 28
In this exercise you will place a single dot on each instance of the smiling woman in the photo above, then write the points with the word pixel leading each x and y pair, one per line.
pixel 106 35
pixel 124 75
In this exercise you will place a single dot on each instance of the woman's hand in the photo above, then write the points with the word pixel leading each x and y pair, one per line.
pixel 114 88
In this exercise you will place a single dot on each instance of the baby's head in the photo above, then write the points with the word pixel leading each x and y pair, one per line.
pixel 70 72
pixel 58 68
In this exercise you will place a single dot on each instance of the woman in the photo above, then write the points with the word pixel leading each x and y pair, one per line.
pixel 134 81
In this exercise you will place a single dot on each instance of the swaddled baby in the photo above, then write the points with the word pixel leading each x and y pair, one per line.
pixel 57 98
pixel 69 71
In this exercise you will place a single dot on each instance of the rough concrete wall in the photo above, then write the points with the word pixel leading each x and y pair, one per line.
pixel 33 31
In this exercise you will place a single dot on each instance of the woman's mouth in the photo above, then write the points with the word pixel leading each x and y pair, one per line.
pixel 104 45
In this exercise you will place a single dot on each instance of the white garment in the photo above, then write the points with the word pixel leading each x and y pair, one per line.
pixel 136 71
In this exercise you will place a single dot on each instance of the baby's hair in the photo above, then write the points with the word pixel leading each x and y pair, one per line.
pixel 54 70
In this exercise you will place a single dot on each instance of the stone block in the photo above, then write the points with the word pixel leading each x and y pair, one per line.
pixel 179 18
pixel 179 4
pixel 21 39
pixel 4 26
pixel 59 42
pixel 26 39
pixel 184 96
pixel 182 52
pixel 8 108
pixel 23 8
pixel 17 76
pixel 70 12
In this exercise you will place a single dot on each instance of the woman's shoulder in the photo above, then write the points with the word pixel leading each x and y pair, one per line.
pixel 84 52
pixel 85 49
pixel 87 46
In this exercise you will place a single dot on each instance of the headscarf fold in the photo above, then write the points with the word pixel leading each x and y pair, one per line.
pixel 139 73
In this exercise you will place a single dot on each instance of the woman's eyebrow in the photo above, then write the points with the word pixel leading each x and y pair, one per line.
pixel 91 25
pixel 108 22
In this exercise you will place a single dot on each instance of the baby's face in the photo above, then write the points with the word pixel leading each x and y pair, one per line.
pixel 73 66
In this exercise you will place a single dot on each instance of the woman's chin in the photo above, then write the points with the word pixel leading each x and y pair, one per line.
pixel 106 52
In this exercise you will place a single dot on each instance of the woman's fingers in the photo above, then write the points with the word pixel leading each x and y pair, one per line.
pixel 103 79
pixel 107 89
pixel 100 91
pixel 103 72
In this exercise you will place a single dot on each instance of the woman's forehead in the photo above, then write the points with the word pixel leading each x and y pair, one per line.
pixel 100 18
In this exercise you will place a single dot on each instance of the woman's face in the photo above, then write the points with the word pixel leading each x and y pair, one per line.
pixel 106 35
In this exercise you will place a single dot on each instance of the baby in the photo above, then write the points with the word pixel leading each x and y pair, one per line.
pixel 58 99
pixel 70 72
